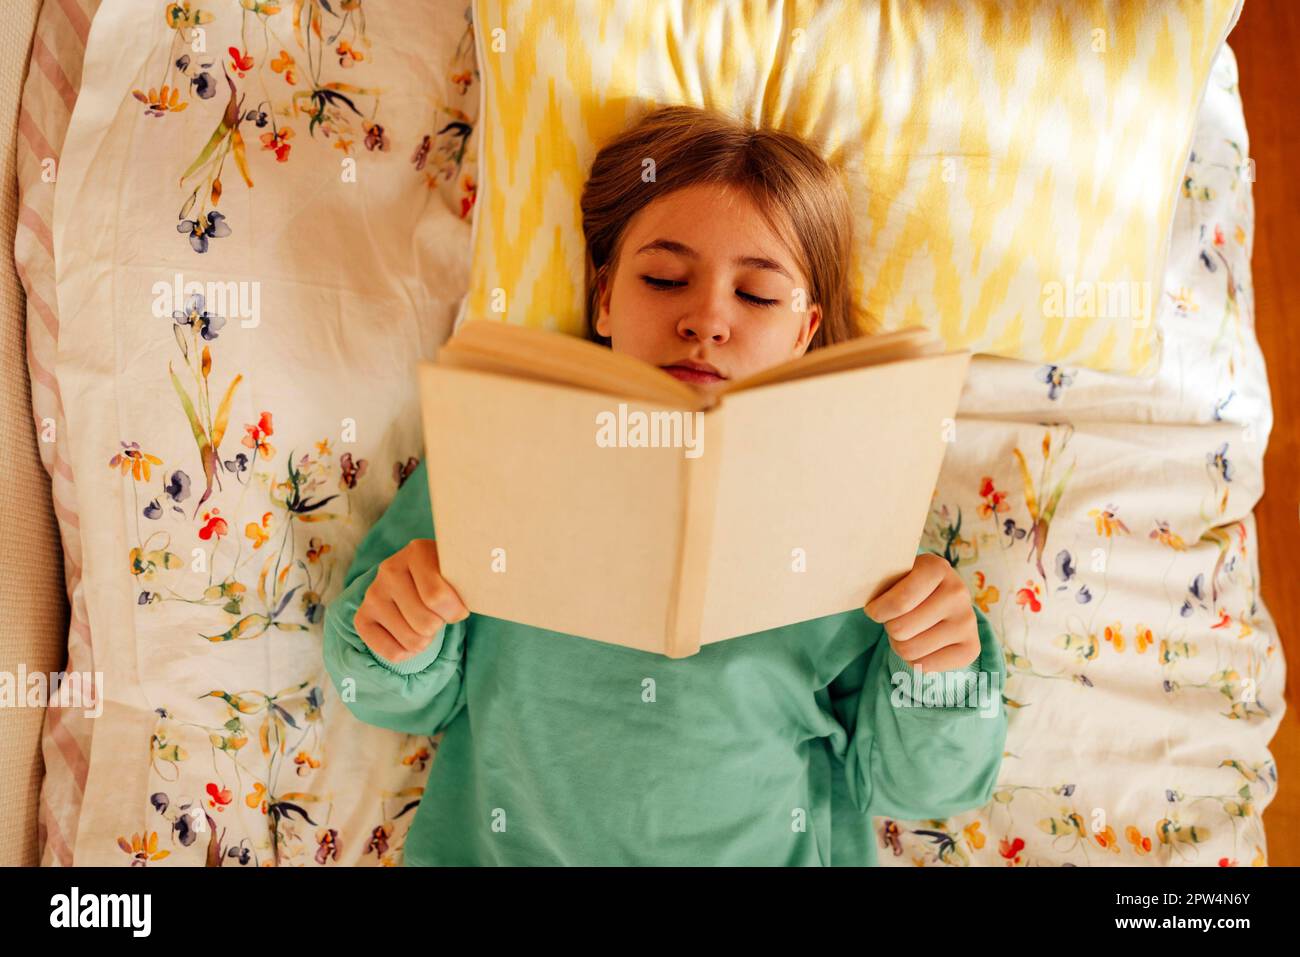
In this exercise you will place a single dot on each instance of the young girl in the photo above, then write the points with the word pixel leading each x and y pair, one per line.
pixel 723 256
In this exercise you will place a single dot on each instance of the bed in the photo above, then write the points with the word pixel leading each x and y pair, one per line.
pixel 1104 523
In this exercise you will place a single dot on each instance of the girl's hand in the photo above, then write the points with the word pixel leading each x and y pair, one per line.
pixel 407 603
pixel 928 616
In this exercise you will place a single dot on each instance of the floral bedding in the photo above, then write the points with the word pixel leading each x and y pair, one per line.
pixel 235 428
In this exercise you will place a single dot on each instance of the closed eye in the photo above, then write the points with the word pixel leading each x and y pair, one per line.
pixel 655 282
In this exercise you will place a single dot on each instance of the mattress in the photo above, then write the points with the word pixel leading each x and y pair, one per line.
pixel 1104 523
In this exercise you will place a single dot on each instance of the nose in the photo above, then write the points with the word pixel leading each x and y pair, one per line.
pixel 708 319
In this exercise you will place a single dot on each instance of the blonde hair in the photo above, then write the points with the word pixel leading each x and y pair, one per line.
pixel 796 190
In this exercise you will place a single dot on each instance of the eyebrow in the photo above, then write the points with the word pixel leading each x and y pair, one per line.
pixel 681 249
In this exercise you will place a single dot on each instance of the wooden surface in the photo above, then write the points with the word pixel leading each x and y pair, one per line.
pixel 1265 41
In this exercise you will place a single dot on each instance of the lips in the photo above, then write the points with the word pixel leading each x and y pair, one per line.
pixel 690 371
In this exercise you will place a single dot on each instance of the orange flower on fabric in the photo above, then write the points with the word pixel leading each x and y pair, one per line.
pixel 1141 844
pixel 1143 639
pixel 994 501
pixel 1108 523
pixel 284 64
pixel 256 796
pixel 985 596
pixel 348 55
pixel 1184 302
pixel 142 849
pixel 417 758
pixel 258 532
pixel 305 763
pixel 278 142
pixel 159 102
pixel 1115 635
pixel 1107 839
pixel 257 434
pixel 133 460
pixel 1165 536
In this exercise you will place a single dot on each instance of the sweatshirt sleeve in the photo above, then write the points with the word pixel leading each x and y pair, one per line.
pixel 422 694
pixel 914 755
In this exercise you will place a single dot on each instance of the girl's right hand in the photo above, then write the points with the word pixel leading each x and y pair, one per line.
pixel 407 603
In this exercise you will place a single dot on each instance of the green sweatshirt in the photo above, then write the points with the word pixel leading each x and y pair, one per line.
pixel 770 749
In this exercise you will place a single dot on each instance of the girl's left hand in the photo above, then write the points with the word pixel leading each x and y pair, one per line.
pixel 929 617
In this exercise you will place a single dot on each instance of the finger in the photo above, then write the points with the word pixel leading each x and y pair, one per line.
pixel 436 592
pixel 926 574
pixel 378 638
pixel 422 619
pixel 949 658
pixel 390 616
pixel 925 645
pixel 949 600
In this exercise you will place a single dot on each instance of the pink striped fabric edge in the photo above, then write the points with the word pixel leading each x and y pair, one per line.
pixel 49 94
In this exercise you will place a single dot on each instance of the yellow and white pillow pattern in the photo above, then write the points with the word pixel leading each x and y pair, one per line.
pixel 1013 166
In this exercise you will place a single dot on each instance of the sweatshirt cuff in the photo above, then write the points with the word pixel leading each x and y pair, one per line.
pixel 418 662
pixel 932 686
pixel 897 663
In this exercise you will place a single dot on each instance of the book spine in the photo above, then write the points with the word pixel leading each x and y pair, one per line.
pixel 700 477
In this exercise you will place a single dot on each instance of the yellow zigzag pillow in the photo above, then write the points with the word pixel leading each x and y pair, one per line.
pixel 1013 166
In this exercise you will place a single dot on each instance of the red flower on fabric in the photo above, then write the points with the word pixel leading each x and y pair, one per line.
pixel 214 524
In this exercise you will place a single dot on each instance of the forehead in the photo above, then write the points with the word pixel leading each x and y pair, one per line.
pixel 718 221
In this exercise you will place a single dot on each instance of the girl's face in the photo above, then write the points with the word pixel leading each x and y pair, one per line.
pixel 703 281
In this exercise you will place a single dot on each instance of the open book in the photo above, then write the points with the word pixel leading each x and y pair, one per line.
pixel 590 493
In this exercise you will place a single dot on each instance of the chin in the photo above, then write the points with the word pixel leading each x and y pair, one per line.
pixel 708 388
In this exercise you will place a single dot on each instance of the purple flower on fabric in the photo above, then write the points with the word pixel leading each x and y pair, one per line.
pixel 213 226
pixel 1218 461
pixel 238 464
pixel 201 82
pixel 1064 565
pixel 205 86
pixel 208 325
pixel 178 489
pixel 1055 378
